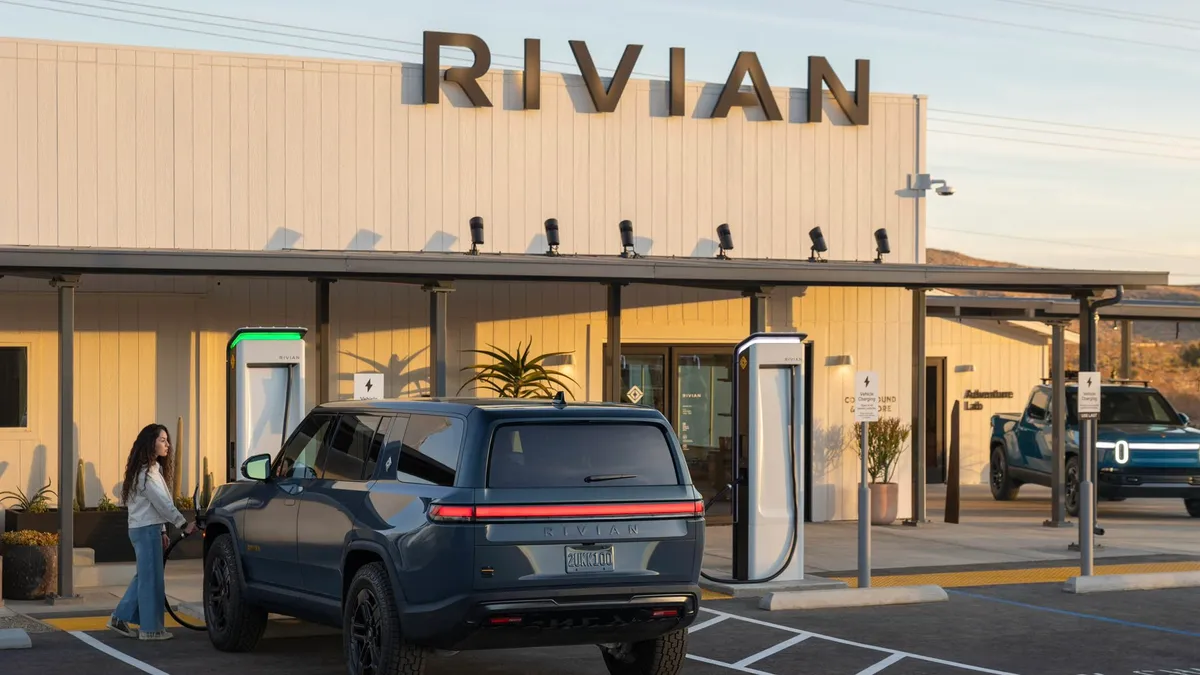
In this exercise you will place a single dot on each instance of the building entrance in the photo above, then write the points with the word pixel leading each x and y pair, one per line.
pixel 935 420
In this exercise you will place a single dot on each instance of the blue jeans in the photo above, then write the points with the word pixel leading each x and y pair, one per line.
pixel 143 600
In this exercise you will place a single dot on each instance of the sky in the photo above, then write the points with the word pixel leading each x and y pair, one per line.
pixel 1065 126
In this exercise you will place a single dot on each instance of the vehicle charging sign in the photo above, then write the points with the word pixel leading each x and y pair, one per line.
pixel 1089 394
pixel 866 397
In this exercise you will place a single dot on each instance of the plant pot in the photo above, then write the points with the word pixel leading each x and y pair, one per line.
pixel 20 520
pixel 106 533
pixel 30 572
pixel 885 503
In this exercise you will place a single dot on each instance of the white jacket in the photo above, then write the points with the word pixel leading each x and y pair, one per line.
pixel 150 501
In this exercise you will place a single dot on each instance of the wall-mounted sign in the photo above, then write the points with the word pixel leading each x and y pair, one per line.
pixel 368 386
pixel 976 405
pixel 975 393
pixel 857 107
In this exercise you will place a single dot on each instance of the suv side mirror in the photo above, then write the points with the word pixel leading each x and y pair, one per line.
pixel 1184 419
pixel 257 467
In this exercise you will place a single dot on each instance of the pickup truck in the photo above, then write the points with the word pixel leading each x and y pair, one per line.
pixel 1144 447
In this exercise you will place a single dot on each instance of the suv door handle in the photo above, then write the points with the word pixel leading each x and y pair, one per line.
pixel 289 502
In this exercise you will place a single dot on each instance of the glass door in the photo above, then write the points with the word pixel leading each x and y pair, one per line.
pixel 703 418
pixel 643 378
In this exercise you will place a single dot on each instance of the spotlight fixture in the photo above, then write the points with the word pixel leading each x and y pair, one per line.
pixel 627 240
pixel 881 244
pixel 552 240
pixel 726 240
pixel 925 182
pixel 476 235
pixel 818 245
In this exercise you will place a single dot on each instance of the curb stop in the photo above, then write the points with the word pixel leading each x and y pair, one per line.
pixel 1131 582
pixel 852 597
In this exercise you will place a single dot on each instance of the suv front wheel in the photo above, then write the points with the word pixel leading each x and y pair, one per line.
pixel 234 625
pixel 661 656
pixel 371 635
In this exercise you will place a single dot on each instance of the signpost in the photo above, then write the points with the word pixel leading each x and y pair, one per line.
pixel 1088 404
pixel 368 386
pixel 866 410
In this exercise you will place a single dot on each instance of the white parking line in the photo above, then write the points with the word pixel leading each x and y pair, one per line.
pixel 772 650
pixel 118 655
pixel 706 624
pixel 895 655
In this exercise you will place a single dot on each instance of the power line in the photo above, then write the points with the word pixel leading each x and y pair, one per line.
pixel 1042 240
pixel 1066 145
pixel 1025 26
pixel 1065 124
pixel 1055 133
pixel 1119 14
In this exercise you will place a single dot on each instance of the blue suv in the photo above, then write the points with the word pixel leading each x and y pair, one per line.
pixel 445 525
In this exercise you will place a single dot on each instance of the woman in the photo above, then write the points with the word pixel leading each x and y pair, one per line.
pixel 150 505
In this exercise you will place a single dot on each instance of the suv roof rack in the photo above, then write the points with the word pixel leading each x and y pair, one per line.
pixel 1071 375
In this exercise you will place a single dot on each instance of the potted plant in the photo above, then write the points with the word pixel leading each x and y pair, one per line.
pixel 885 445
pixel 31 512
pixel 30 564
pixel 517 375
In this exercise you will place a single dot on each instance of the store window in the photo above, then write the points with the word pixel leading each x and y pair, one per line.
pixel 14 387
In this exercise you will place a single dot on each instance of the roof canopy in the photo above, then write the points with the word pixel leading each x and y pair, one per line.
pixel 425 267
pixel 1047 309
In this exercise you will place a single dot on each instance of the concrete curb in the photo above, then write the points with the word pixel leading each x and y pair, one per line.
pixel 14 638
pixel 1145 581
pixel 853 597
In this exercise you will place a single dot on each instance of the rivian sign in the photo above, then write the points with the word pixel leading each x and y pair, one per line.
pixel 856 107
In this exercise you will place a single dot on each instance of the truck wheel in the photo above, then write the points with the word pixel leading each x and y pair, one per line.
pixel 1003 487
pixel 1072 484
pixel 661 656
pixel 234 625
pixel 1193 507
pixel 371 637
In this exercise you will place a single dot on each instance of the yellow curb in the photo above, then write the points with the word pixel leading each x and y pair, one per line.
pixel 1033 575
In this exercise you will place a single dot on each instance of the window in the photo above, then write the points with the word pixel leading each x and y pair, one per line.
pixel 1039 405
pixel 354 440
pixel 1127 406
pixel 581 455
pixel 14 387
pixel 300 455
pixel 429 453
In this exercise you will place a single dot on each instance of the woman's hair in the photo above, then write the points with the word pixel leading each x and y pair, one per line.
pixel 141 455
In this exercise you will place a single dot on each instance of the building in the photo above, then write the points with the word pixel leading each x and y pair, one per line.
pixel 150 150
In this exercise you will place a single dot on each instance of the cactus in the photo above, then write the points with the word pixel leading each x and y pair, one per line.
pixel 206 491
pixel 80 496
pixel 177 465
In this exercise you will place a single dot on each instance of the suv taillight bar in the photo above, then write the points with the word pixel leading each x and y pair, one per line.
pixel 456 513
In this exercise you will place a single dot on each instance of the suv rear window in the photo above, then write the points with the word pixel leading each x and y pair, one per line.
pixel 539 455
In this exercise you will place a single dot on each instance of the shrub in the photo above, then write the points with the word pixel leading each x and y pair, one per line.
pixel 885 444
pixel 29 538
pixel 1190 355
pixel 107 504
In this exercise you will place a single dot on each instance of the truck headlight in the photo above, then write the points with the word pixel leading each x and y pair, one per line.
pixel 1121 452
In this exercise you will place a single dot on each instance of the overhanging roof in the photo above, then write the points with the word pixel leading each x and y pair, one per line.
pixel 421 267
pixel 1046 309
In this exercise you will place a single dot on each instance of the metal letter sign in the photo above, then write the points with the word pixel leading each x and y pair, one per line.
pixel 866 397
pixel 1089 394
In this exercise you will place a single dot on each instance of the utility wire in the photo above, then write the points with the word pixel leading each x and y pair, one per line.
pixel 1119 14
pixel 1066 145
pixel 1042 240
pixel 1025 26
pixel 1065 124
pixel 1053 132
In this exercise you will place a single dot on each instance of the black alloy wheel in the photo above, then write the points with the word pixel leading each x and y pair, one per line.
pixel 366 643
pixel 217 596
pixel 1072 481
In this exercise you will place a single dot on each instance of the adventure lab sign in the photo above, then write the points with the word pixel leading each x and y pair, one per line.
pixel 857 107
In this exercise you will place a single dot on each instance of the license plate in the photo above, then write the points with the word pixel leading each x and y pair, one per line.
pixel 582 559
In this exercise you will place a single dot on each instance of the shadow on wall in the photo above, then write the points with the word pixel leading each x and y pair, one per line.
pixel 400 380
pixel 829 447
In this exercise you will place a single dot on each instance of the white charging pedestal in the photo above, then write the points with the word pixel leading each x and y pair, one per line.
pixel 264 392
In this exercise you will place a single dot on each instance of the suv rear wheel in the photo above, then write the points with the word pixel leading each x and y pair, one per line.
pixel 371 635
pixel 234 625
pixel 1004 488
pixel 1193 507
pixel 661 656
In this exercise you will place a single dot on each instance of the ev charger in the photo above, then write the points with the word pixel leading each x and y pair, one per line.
pixel 264 392
pixel 768 454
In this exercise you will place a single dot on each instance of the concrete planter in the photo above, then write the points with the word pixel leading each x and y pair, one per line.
pixel 885 503
pixel 29 572
pixel 105 532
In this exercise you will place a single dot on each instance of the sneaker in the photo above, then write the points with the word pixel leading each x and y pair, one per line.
pixel 119 626
pixel 157 635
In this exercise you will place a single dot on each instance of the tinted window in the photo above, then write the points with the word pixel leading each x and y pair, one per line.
pixel 429 453
pixel 567 455
pixel 353 441
pixel 14 387
pixel 299 458
pixel 1145 406
pixel 1039 405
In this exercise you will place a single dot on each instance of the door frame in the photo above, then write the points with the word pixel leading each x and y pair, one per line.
pixel 935 442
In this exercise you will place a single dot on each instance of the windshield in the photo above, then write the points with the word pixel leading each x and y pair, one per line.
pixel 1128 406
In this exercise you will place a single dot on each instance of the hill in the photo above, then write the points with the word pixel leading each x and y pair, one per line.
pixel 1158 346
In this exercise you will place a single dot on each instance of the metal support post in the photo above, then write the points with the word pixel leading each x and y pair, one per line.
pixel 439 303
pixel 758 309
pixel 1058 412
pixel 864 516
pixel 1126 349
pixel 918 409
pixel 323 344
pixel 613 367
pixel 67 453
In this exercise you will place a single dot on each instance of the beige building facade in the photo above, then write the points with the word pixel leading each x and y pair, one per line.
pixel 141 148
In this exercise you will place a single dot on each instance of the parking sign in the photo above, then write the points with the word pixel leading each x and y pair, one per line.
pixel 1089 394
pixel 866 397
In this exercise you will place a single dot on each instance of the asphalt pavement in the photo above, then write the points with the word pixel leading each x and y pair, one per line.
pixel 1015 629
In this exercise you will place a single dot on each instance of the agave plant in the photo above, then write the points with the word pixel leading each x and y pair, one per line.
pixel 37 503
pixel 517 375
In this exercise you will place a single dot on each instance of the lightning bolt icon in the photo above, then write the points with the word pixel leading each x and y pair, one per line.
pixel 1089 381
pixel 369 385
pixel 867 381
